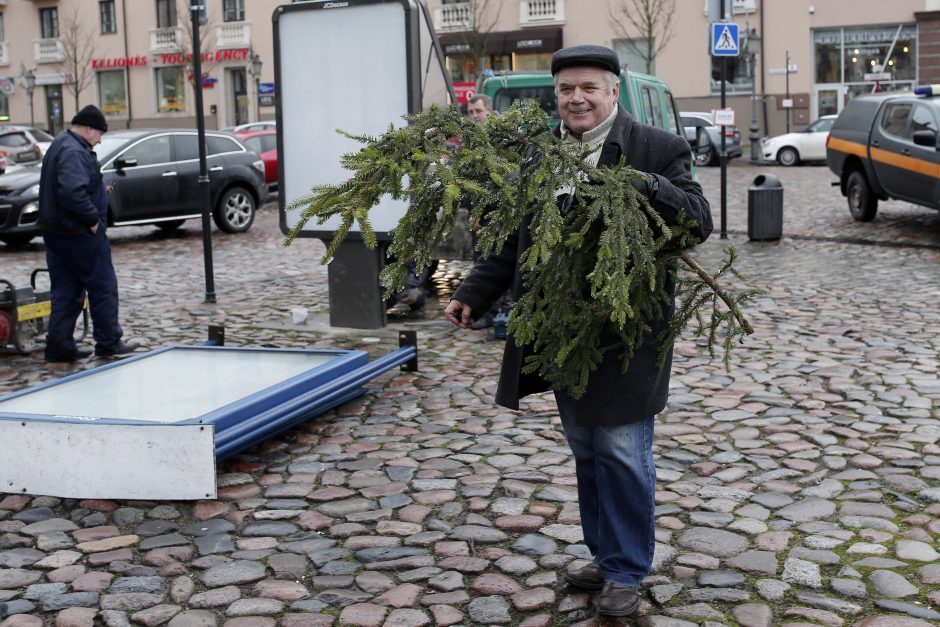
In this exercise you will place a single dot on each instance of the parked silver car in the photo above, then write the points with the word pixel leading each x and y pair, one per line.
pixel 705 137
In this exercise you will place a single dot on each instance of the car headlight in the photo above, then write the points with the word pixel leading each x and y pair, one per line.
pixel 32 190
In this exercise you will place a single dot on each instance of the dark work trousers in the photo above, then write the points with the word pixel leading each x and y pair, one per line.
pixel 80 264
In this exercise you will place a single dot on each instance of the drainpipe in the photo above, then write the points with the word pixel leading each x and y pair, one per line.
pixel 763 42
pixel 127 71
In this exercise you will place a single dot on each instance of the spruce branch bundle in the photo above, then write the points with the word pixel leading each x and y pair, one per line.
pixel 597 277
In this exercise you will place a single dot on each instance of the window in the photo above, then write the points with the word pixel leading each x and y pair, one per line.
pixel 923 120
pixel 254 143
pixel 106 12
pixel 3 36
pixel 233 10
pixel 14 140
pixel 820 126
pixel 671 116
pixel 49 23
pixel 631 52
pixel 185 147
pixel 268 142
pixel 739 74
pixel 652 107
pixel 150 151
pixel 545 96
pixel 4 107
pixel 171 89
pixel 112 93
pixel 846 55
pixel 166 13
pixel 218 145
pixel 895 118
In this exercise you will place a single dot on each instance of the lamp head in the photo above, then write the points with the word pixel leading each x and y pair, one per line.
pixel 254 67
pixel 752 44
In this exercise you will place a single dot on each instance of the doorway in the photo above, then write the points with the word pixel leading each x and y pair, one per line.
pixel 238 97
pixel 54 117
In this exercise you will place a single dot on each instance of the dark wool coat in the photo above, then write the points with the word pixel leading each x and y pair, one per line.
pixel 612 397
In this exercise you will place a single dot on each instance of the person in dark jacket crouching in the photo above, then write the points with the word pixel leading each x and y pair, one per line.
pixel 610 428
pixel 73 212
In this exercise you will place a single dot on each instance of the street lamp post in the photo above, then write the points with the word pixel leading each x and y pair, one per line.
pixel 254 69
pixel 752 46
pixel 30 79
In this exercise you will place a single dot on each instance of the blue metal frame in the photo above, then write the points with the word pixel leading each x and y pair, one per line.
pixel 262 414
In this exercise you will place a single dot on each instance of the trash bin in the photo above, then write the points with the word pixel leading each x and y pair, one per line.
pixel 765 208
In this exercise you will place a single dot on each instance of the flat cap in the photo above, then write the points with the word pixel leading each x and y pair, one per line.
pixel 591 55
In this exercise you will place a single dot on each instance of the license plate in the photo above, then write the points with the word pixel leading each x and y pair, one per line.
pixel 34 310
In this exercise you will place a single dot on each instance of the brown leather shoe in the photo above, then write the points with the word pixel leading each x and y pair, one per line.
pixel 589 577
pixel 617 600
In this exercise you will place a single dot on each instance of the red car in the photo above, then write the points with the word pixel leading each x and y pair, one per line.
pixel 265 144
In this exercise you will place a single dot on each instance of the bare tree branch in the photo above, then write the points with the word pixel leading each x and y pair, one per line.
pixel 206 38
pixel 78 49
pixel 647 25
pixel 482 19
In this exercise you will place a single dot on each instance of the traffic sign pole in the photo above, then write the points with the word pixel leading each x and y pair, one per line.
pixel 725 42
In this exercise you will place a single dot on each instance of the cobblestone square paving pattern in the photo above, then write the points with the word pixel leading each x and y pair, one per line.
pixel 802 487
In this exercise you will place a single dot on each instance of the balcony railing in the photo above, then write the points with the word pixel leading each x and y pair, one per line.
pixel 453 17
pixel 4 53
pixel 166 39
pixel 540 12
pixel 233 35
pixel 48 51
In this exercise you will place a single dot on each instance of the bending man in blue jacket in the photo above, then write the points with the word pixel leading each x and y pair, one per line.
pixel 73 212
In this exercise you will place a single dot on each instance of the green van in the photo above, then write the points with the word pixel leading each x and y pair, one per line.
pixel 647 98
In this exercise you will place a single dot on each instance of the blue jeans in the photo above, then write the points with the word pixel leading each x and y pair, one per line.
pixel 616 492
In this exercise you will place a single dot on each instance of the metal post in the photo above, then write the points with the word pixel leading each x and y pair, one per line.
pixel 787 97
pixel 204 201
pixel 754 136
pixel 30 79
pixel 723 154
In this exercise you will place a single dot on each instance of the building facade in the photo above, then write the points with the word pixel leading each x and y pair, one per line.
pixel 133 59
pixel 809 58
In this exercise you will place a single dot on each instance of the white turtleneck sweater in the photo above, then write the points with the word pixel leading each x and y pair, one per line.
pixel 594 138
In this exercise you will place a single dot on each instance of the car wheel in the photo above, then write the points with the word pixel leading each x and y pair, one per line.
pixel 862 203
pixel 788 156
pixel 704 151
pixel 16 240
pixel 169 225
pixel 235 211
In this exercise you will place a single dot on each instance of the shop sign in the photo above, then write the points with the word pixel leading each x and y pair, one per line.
pixel 464 91
pixel 118 62
pixel 451 49
pixel 50 79
pixel 266 100
pixel 529 44
pixel 7 85
pixel 219 56
pixel 208 82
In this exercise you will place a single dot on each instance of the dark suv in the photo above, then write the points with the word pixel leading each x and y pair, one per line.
pixel 154 179
pixel 886 146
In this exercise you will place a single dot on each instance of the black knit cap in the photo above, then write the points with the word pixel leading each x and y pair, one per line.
pixel 595 56
pixel 91 116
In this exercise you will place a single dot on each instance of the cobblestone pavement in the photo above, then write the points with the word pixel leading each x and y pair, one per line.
pixel 800 488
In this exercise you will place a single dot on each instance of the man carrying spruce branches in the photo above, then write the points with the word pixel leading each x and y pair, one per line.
pixel 609 427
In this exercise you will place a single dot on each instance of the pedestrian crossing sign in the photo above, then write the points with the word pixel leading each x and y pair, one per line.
pixel 725 41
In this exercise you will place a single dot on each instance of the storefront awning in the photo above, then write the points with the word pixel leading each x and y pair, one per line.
pixel 522 41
